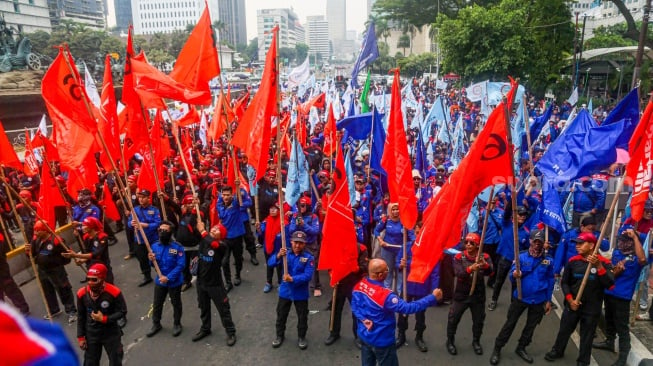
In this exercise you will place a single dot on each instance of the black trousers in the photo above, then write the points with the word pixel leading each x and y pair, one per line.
pixel 456 312
pixel 447 277
pixel 55 282
pixel 503 268
pixel 143 261
pixel 269 271
pixel 112 344
pixel 190 254
pixel 283 309
pixel 235 248
pixel 160 293
pixel 420 319
pixel 617 313
pixel 131 238
pixel 535 312
pixel 568 323
pixel 9 287
pixel 491 250
pixel 250 240
pixel 217 294
pixel 343 293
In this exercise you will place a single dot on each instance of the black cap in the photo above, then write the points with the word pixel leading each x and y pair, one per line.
pixel 299 236
pixel 144 192
pixel 588 220
pixel 522 210
pixel 537 235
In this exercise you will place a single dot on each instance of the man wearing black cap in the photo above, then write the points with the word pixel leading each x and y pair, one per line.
pixel 587 309
pixel 294 288
pixel 536 274
pixel 149 219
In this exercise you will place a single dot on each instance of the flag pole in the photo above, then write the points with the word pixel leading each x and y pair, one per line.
pixel 404 272
pixel 513 193
pixel 159 191
pixel 29 254
pixel 369 158
pixel 604 229
pixel 233 148
pixel 488 209
pixel 528 137
pixel 113 165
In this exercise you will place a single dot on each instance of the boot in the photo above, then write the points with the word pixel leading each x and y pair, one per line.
pixel 451 347
pixel 476 345
pixel 419 342
pixel 607 345
pixel 623 358
pixel 401 339
pixel 496 356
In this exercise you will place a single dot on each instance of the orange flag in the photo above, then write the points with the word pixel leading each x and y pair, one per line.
pixel 110 209
pixel 330 134
pixel 219 122
pixel 8 155
pixel 197 62
pixel 31 165
pixel 253 133
pixel 486 163
pixel 190 118
pixel 49 195
pixel 396 161
pixel 317 102
pixel 108 125
pixel 240 105
pixel 339 252
pixel 73 127
pixel 84 176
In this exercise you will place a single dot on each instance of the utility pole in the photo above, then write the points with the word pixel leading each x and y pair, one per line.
pixel 575 51
pixel 640 45
pixel 580 54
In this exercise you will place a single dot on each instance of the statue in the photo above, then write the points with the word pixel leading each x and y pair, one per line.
pixel 16 52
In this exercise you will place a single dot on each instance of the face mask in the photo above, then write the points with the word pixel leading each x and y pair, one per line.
pixel 165 236
pixel 96 287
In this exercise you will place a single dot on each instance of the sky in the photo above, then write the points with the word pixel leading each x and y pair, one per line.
pixel 356 12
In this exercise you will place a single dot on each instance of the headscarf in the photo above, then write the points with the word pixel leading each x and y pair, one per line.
pixel 272 228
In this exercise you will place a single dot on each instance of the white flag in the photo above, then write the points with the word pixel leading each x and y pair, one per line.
pixel 91 89
pixel 43 127
pixel 299 74
pixel 477 91
pixel 203 129
pixel 573 98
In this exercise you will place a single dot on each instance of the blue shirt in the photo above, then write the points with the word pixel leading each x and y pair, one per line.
pixel 230 218
pixel 151 216
pixel 493 231
pixel 310 226
pixel 171 260
pixel 300 267
pixel 537 278
pixel 507 245
pixel 394 234
pixel 626 281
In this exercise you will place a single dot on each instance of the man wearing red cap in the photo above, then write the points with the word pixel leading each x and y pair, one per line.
pixel 101 306
pixel 464 265
pixel 129 231
pixel 27 214
pixel 96 246
pixel 587 309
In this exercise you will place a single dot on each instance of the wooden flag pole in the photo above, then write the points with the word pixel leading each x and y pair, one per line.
pixel 528 136
pixel 488 211
pixel 232 148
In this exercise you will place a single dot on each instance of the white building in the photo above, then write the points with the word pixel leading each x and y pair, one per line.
pixel 318 37
pixel 26 15
pixel 166 16
pixel 336 16
pixel 603 13
pixel 291 31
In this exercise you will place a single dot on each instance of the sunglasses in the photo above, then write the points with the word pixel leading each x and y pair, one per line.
pixel 92 279
pixel 302 205
pixel 470 242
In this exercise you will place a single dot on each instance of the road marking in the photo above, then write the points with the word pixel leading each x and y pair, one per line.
pixel 574 335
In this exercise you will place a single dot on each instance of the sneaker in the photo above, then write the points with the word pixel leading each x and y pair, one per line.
pixel 59 312
pixel 72 318
pixel 317 292
pixel 643 307
pixel 259 246
pixel 492 305
pixel 267 288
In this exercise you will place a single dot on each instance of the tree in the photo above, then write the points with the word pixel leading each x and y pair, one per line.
pixel 40 40
pixel 160 41
pixel 287 53
pixel 252 49
pixel 417 64
pixel 403 42
pixel 112 45
pixel 302 51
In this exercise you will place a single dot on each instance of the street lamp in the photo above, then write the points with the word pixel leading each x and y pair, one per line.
pixel 621 75
pixel 587 81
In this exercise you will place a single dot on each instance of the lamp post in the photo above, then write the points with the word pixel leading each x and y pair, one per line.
pixel 587 81
pixel 621 75
pixel 605 92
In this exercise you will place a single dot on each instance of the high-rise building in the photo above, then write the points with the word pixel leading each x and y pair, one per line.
pixel 88 12
pixel 165 16
pixel 232 14
pixel 370 4
pixel 336 16
pixel 26 17
pixel 291 31
pixel 122 11
pixel 318 37
pixel 603 14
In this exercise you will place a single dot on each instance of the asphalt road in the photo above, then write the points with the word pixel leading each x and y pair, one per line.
pixel 254 315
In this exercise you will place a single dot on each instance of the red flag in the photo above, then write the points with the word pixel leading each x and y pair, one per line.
pixel 487 163
pixel 339 252
pixel 49 195
pixel 31 165
pixel 108 125
pixel 190 118
pixel 110 209
pixel 72 124
pixel 50 149
pixel 396 161
pixel 152 166
pixel 239 106
pixel 638 169
pixel 84 176
pixel 253 133
pixel 149 79
pixel 197 62
pixel 219 122
pixel 231 177
pixel 8 155
pixel 317 102
pixel 330 134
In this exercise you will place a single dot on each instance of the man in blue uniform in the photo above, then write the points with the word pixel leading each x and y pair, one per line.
pixel 294 288
pixel 307 222
pixel 169 255
pixel 230 216
pixel 374 307
pixel 149 219
pixel 537 280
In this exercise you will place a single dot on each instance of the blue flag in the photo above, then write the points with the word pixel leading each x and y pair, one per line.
pixel 369 53
pixel 539 123
pixel 298 178
pixel 550 210
pixel 627 110
pixel 458 149
pixel 350 177
pixel 352 108
pixel 580 124
pixel 421 163
pixel 358 127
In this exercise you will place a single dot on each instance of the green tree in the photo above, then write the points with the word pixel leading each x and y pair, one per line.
pixel 252 49
pixel 86 45
pixel 159 41
pixel 404 42
pixel 415 65
pixel 112 44
pixel 158 57
pixel 40 40
pixel 287 53
pixel 301 50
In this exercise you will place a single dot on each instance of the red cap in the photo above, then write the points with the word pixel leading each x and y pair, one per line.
pixel 25 193
pixel 40 225
pixel 473 237
pixel 585 237
pixel 131 178
pixel 305 200
pixel 92 223
pixel 222 229
pixel 98 270
pixel 188 199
